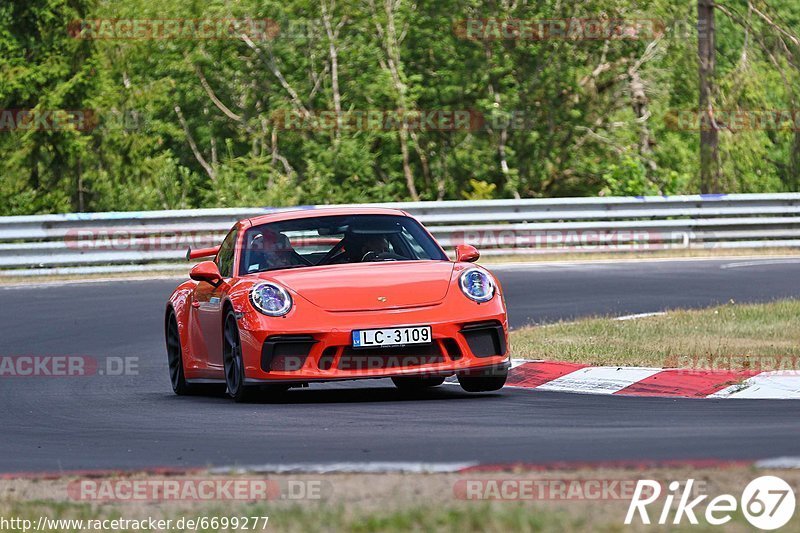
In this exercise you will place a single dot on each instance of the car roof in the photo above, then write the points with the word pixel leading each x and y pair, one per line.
pixel 311 212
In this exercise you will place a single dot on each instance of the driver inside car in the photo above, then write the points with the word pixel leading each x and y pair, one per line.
pixel 270 250
pixel 360 247
pixel 373 245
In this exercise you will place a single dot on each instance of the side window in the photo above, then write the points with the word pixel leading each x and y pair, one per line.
pixel 224 258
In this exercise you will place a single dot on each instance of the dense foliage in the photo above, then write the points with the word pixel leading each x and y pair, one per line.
pixel 181 121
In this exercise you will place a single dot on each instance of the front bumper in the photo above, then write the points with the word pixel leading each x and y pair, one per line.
pixel 286 350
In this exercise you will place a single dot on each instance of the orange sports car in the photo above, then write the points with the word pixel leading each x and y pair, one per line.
pixel 335 294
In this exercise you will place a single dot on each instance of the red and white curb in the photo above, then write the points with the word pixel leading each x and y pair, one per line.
pixel 638 381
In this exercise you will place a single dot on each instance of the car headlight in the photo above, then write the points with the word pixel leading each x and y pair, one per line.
pixel 270 299
pixel 477 285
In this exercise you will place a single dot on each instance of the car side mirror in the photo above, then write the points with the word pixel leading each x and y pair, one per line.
pixel 206 271
pixel 467 253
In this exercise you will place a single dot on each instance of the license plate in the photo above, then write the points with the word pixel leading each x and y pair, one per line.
pixel 365 338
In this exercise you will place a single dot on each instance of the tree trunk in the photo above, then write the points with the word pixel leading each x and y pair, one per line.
pixel 794 167
pixel 639 103
pixel 709 138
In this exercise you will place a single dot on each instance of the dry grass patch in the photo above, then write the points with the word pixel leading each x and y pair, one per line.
pixel 762 333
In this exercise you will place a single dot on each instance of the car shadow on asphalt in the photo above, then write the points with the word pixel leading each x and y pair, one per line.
pixel 332 394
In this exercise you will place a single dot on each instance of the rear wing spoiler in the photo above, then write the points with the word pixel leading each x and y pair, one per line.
pixel 201 252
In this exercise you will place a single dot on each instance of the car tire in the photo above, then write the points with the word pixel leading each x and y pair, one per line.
pixel 417 383
pixel 175 357
pixel 232 360
pixel 490 380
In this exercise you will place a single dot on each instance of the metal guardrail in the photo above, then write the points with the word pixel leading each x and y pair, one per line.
pixel 154 240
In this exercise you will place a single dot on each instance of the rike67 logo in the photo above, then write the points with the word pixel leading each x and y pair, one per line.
pixel 767 502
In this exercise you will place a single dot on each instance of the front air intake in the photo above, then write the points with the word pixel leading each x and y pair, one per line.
pixel 485 339
pixel 286 353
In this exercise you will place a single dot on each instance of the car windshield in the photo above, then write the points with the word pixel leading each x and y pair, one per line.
pixel 332 240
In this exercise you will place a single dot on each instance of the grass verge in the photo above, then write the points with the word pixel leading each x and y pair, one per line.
pixel 564 501
pixel 747 334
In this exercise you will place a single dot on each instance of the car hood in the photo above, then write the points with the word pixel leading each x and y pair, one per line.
pixel 369 286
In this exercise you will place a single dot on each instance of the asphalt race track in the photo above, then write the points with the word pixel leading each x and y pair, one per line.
pixel 134 421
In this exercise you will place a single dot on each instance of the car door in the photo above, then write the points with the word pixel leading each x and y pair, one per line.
pixel 207 309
